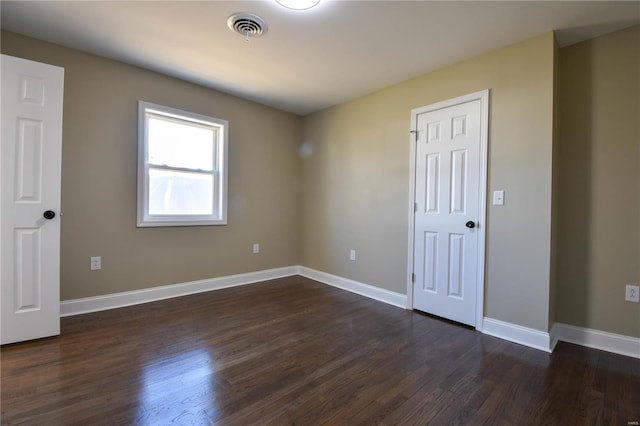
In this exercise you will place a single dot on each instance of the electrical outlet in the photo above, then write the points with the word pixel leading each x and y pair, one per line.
pixel 256 248
pixel 352 255
pixel 96 263
pixel 632 293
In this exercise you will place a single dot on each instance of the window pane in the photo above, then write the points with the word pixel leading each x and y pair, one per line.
pixel 180 193
pixel 179 144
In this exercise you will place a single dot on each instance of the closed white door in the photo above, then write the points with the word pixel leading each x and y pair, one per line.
pixel 30 159
pixel 448 210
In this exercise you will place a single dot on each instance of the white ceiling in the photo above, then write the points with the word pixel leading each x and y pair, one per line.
pixel 310 59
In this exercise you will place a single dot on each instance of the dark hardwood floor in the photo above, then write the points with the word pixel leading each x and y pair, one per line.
pixel 293 351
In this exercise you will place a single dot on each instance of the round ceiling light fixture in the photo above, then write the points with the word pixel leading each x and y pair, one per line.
pixel 298 4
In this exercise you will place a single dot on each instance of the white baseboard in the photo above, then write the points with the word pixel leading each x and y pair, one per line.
pixel 517 334
pixel 128 298
pixel 377 293
pixel 553 338
pixel 610 342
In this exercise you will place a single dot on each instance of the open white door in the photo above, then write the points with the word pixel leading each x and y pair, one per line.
pixel 449 175
pixel 30 160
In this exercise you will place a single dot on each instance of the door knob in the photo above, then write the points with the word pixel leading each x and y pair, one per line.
pixel 471 224
pixel 49 214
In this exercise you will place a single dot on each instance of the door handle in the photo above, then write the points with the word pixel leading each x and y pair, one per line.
pixel 471 224
pixel 49 214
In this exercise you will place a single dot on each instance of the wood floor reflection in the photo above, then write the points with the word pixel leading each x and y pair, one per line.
pixel 293 351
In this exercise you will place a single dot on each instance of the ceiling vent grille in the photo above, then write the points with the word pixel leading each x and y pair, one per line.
pixel 247 24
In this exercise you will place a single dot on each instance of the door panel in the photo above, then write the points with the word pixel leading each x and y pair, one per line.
pixel 27 285
pixel 28 177
pixel 447 195
pixel 30 159
pixel 458 181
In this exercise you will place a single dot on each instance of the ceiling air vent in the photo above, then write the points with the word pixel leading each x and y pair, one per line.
pixel 247 24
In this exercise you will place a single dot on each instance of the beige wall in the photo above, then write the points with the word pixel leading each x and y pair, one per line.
pixel 99 180
pixel 599 246
pixel 356 183
pixel 555 186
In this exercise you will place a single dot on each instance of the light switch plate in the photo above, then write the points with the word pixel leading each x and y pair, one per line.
pixel 498 198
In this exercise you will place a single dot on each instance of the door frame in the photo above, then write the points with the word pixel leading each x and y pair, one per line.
pixel 483 97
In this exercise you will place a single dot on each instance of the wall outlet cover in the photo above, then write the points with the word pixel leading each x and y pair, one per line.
pixel 632 293
pixel 96 263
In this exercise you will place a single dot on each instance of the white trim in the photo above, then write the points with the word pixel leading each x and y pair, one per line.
pixel 372 292
pixel 128 298
pixel 483 97
pixel 482 207
pixel 596 339
pixel 553 337
pixel 219 173
pixel 517 334
pixel 412 208
pixel 602 340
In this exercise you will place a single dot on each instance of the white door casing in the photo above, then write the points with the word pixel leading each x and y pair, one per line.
pixel 30 172
pixel 447 218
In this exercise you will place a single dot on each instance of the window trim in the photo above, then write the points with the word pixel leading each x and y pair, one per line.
pixel 219 217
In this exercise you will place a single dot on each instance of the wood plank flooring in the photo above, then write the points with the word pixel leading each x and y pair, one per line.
pixel 293 351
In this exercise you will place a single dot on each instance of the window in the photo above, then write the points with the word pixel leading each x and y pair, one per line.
pixel 182 167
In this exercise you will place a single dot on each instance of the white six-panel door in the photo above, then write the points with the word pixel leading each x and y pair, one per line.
pixel 448 210
pixel 30 159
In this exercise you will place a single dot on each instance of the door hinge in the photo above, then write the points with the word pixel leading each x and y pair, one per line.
pixel 415 133
pixel 415 207
pixel 413 278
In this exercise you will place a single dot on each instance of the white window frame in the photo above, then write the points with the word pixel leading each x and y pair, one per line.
pixel 219 216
